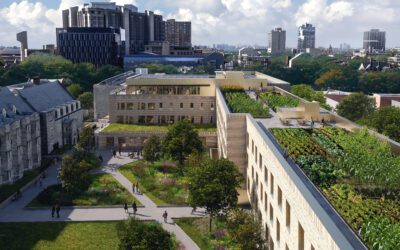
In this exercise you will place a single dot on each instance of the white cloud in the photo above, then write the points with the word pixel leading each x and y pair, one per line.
pixel 227 21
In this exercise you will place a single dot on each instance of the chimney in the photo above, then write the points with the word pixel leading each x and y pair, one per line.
pixel 36 80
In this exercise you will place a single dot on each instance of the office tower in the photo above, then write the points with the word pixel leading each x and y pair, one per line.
pixel 306 39
pixel 277 40
pixel 178 33
pixel 374 40
pixel 22 37
pixel 98 46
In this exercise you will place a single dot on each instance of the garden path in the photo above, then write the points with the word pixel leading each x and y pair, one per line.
pixel 16 211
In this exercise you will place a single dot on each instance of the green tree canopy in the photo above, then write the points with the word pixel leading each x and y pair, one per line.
pixel 134 234
pixel 214 186
pixel 86 100
pixel 75 90
pixel 307 92
pixel 181 140
pixel 386 120
pixel 151 148
pixel 356 106
pixel 74 175
pixel 246 229
pixel 86 141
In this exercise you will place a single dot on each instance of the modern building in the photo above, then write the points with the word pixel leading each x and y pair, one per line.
pixel 394 61
pixel 374 41
pixel 61 117
pixel 20 141
pixel 178 33
pixel 141 28
pixel 249 56
pixel 99 46
pixel 22 37
pixel 277 40
pixel 215 59
pixel 306 37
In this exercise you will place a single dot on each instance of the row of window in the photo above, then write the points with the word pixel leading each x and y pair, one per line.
pixel 69 108
pixel 161 119
pixel 153 106
pixel 269 180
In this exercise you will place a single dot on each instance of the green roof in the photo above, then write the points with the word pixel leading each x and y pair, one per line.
pixel 117 127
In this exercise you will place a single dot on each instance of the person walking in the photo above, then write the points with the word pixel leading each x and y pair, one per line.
pixel 126 207
pixel 119 151
pixel 165 216
pixel 58 208
pixel 114 153
pixel 53 210
pixel 40 181
pixel 134 207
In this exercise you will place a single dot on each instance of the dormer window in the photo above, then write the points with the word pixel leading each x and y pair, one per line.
pixel 15 109
pixel 4 113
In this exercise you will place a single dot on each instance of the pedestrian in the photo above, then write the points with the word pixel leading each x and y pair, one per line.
pixel 114 153
pixel 40 182
pixel 119 151
pixel 133 188
pixel 193 209
pixel 134 207
pixel 165 216
pixel 58 208
pixel 53 210
pixel 126 207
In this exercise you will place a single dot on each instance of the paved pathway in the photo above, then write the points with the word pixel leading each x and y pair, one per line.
pixel 16 211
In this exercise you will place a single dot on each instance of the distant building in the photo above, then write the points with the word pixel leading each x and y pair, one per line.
pixel 344 47
pixel 374 41
pixel 22 37
pixel 386 100
pixel 277 40
pixel 178 33
pixel 248 56
pixel 372 65
pixel 99 46
pixel 61 117
pixel 10 56
pixel 20 142
pixel 306 37
pixel 215 59
pixel 394 61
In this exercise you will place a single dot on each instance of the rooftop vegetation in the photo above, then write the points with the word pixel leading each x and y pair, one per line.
pixel 275 100
pixel 356 172
pixel 239 102
pixel 117 127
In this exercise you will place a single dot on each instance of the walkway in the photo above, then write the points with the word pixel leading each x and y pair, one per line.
pixel 16 211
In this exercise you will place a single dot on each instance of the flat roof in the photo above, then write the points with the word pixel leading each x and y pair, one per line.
pixel 165 76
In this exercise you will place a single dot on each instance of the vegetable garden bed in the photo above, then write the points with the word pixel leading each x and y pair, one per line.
pixel 239 102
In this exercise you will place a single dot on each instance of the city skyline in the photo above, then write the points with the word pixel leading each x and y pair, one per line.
pixel 216 21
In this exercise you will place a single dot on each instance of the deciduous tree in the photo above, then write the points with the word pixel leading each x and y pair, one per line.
pixel 356 106
pixel 151 148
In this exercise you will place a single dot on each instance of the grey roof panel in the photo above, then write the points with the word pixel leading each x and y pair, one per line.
pixel 7 101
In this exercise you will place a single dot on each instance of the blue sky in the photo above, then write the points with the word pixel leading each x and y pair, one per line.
pixel 225 21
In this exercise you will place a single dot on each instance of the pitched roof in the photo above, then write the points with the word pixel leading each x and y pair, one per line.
pixel 7 103
pixel 45 96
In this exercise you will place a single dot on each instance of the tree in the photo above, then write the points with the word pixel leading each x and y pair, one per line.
pixel 135 234
pixel 151 148
pixel 181 140
pixel 307 92
pixel 75 90
pixel 356 106
pixel 214 186
pixel 86 100
pixel 246 229
pixel 386 120
pixel 86 141
pixel 74 175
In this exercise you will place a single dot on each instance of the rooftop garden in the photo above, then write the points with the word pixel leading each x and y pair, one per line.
pixel 117 127
pixel 275 100
pixel 357 173
pixel 239 102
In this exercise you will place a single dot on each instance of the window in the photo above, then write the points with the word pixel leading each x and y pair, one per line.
pixel 252 146
pixel 201 106
pixel 122 106
pixel 279 197
pixel 252 172
pixel 261 191
pixel 248 183
pixel 171 104
pixel 181 105
pixel 151 106
pixel 257 178
pixel 272 185
pixel 143 106
pixel 260 165
pixel 212 119
pixel 312 247
pixel 201 120
pixel 161 105
pixel 212 106
pixel 265 174
pixel 265 201
pixel 129 106
pixel 301 237
pixel 287 214
pixel 278 230
pixel 256 154
pixel 191 105
pixel 286 247
pixel 271 213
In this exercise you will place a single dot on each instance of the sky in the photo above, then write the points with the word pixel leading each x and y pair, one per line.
pixel 224 21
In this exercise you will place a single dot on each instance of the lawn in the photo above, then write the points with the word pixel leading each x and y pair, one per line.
pixel 198 231
pixel 164 185
pixel 104 190
pixel 7 190
pixel 116 127
pixel 59 235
